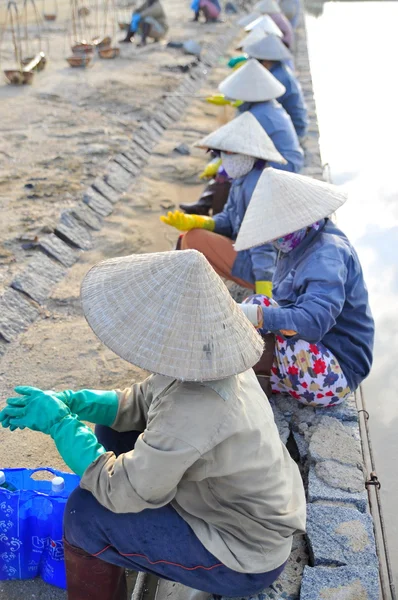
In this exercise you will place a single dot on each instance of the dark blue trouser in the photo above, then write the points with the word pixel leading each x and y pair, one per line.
pixel 155 541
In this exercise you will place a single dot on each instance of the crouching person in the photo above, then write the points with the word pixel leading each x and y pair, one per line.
pixel 318 328
pixel 186 476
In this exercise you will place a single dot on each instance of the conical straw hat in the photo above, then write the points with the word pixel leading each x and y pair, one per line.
pixel 171 314
pixel 269 47
pixel 243 135
pixel 266 24
pixel 250 38
pixel 251 83
pixel 247 19
pixel 267 7
pixel 284 202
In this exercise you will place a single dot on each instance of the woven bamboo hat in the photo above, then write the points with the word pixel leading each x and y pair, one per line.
pixel 267 7
pixel 251 38
pixel 251 83
pixel 284 202
pixel 269 47
pixel 247 19
pixel 171 314
pixel 265 24
pixel 243 135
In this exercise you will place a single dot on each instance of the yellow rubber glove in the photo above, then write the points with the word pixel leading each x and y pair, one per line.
pixel 218 100
pixel 211 169
pixel 237 103
pixel 264 288
pixel 184 222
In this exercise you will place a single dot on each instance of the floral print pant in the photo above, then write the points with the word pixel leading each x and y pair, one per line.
pixel 310 373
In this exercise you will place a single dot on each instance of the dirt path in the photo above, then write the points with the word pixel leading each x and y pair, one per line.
pixel 57 136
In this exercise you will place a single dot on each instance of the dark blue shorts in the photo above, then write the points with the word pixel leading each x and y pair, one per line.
pixel 155 541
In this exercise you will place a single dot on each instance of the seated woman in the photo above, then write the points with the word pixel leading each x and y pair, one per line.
pixel 150 20
pixel 320 320
pixel 272 54
pixel 245 150
pixel 257 90
pixel 210 9
pixel 186 477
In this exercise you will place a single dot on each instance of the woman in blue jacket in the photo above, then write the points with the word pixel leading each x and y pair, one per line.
pixel 319 316
pixel 245 148
pixel 252 84
pixel 273 54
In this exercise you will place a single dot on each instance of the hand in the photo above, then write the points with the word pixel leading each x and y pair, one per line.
pixel 218 100
pixel 264 288
pixel 38 411
pixel 184 222
pixel 211 169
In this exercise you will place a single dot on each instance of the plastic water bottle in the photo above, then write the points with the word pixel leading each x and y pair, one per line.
pixel 4 484
pixel 58 484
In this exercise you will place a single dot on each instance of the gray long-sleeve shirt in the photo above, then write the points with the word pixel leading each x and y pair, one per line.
pixel 213 451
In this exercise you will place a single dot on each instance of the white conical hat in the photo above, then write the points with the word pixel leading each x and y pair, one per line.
pixel 171 314
pixel 247 19
pixel 266 24
pixel 250 38
pixel 284 202
pixel 243 135
pixel 267 7
pixel 251 83
pixel 270 47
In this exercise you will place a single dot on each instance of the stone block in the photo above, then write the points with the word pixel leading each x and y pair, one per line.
pixel 133 158
pixel 320 491
pixel 346 411
pixel 344 477
pixel 56 248
pixel 147 131
pixel 143 141
pixel 331 440
pixel 73 231
pixel 16 314
pixel 39 277
pixel 126 164
pixel 87 216
pixel 171 112
pixel 156 127
pixel 97 202
pixel 140 152
pixel 118 178
pixel 163 119
pixel 282 424
pixel 341 583
pixel 338 537
pixel 302 445
pixel 105 190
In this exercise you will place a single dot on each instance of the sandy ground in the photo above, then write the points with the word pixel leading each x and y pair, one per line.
pixel 57 135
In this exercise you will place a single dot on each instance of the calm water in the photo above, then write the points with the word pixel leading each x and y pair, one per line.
pixel 354 60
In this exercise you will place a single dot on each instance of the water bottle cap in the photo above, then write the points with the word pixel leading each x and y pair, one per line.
pixel 57 484
pixel 2 477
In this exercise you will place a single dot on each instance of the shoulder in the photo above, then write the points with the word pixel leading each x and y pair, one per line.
pixel 331 245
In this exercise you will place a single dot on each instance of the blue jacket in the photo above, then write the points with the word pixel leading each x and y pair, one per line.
pixel 292 100
pixel 322 295
pixel 278 125
pixel 256 264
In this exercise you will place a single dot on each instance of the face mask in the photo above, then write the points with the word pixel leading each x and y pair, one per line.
pixel 289 242
pixel 237 165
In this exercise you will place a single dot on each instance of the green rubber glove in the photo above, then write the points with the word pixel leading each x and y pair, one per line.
pixel 39 412
pixel 76 443
pixel 237 61
pixel 96 406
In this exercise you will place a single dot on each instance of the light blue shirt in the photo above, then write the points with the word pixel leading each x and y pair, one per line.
pixel 256 264
pixel 278 125
pixel 292 100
